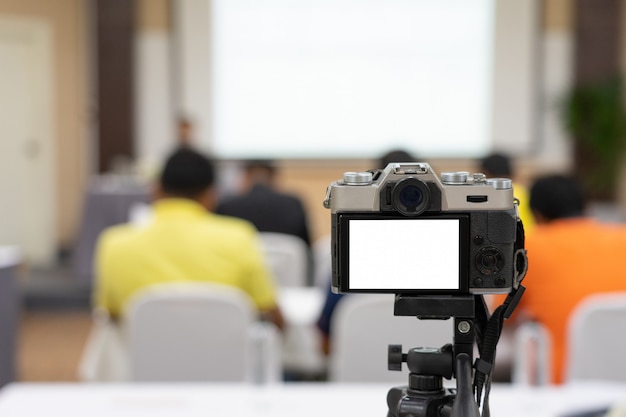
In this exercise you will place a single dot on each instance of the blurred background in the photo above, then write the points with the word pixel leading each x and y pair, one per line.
pixel 93 93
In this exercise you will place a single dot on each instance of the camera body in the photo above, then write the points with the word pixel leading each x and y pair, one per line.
pixel 405 230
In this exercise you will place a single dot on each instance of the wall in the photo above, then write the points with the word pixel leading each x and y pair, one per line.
pixel 73 117
pixel 153 77
pixel 554 149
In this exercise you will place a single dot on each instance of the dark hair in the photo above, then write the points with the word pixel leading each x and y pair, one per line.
pixel 557 197
pixel 496 165
pixel 395 155
pixel 187 173
pixel 266 165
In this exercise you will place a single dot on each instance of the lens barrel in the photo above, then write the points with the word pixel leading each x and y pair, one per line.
pixel 410 197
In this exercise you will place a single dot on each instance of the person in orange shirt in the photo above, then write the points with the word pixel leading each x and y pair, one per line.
pixel 570 256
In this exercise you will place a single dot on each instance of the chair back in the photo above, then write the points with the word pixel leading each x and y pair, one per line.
pixel 531 362
pixel 287 257
pixel 363 326
pixel 189 332
pixel 597 339
pixel 322 261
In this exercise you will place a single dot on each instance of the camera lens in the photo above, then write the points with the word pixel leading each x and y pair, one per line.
pixel 410 196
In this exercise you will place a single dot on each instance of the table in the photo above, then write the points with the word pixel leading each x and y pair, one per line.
pixel 9 308
pixel 108 201
pixel 280 400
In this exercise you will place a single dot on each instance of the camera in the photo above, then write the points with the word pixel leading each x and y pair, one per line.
pixel 405 230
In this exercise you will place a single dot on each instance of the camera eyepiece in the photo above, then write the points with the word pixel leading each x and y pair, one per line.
pixel 410 197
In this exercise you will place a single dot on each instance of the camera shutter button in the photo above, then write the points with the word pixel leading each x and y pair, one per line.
pixel 500 183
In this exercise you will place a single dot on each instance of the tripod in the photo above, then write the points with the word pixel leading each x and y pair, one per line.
pixel 425 396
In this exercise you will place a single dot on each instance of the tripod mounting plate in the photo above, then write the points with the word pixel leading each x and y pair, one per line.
pixel 435 306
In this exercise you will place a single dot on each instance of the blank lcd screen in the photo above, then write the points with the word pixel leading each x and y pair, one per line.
pixel 404 254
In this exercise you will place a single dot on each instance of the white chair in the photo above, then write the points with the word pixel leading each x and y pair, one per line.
pixel 140 213
pixel 302 345
pixel 531 362
pixel 185 331
pixel 322 261
pixel 287 257
pixel 194 332
pixel 363 326
pixel 597 339
pixel 105 356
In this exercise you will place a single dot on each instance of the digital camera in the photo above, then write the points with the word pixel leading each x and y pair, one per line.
pixel 404 230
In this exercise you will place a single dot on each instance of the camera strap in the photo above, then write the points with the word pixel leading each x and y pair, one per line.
pixel 493 328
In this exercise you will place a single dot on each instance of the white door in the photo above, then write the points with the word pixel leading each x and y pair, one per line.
pixel 27 209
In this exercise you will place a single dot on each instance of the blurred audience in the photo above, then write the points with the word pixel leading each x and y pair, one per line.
pixel 570 257
pixel 186 136
pixel 183 242
pixel 396 155
pixel 262 204
pixel 499 165
pixel 324 321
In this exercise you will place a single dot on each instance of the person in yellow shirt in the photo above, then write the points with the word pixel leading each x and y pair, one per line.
pixel 184 241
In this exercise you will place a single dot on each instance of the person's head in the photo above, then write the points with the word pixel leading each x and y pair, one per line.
pixel 555 197
pixel 395 155
pixel 187 174
pixel 259 171
pixel 496 165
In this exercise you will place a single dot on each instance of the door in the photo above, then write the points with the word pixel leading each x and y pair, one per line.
pixel 27 206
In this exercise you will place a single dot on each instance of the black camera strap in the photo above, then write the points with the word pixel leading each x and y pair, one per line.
pixel 493 328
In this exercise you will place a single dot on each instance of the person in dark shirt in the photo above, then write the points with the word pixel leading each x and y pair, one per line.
pixel 396 155
pixel 269 209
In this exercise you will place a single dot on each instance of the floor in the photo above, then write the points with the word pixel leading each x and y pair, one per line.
pixel 50 344
pixel 54 323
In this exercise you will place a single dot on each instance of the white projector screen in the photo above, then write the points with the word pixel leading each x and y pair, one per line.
pixel 351 78
pixel 354 78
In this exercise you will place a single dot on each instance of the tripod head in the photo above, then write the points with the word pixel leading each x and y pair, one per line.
pixel 425 395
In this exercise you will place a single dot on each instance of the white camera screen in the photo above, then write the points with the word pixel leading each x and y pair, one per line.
pixel 404 254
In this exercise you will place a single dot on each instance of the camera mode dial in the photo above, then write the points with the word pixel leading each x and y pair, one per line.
pixel 453 178
pixel 358 178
